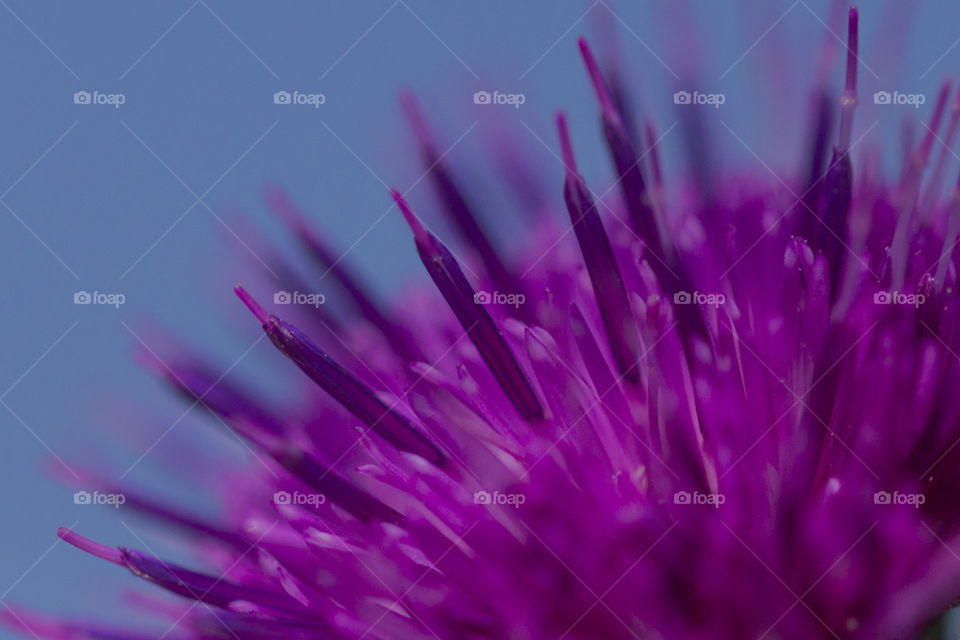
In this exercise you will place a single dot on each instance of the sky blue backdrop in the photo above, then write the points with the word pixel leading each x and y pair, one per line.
pixel 106 199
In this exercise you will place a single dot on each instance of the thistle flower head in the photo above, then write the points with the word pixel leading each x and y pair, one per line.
pixel 737 421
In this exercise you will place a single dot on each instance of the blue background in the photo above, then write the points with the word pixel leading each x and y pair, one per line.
pixel 102 199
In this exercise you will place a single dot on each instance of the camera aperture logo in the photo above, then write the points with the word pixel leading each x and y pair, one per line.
pixel 896 98
pixel 712 99
pixel 511 99
pixel 512 299
pixel 897 498
pixel 99 98
pixel 710 499
pixel 97 297
pixel 896 297
pixel 501 499
pixel 300 499
pixel 297 297
pixel 97 498
pixel 696 297
pixel 299 98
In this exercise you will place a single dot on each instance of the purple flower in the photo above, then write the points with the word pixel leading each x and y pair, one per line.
pixel 727 414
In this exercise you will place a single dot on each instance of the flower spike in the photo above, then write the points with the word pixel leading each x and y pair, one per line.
pixel 213 590
pixel 601 264
pixel 629 173
pixel 454 201
pixel 346 389
pixel 460 296
pixel 849 99
pixel 838 185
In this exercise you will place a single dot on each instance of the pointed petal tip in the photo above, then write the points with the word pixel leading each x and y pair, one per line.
pixel 94 548
pixel 412 220
pixel 254 306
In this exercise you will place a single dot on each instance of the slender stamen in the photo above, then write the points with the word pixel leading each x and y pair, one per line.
pixel 345 388
pixel 252 304
pixel 460 296
pixel 601 264
pixel 94 548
